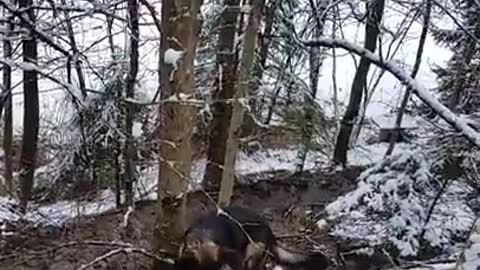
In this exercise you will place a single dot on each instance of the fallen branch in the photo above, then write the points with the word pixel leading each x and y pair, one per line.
pixel 405 79
pixel 76 244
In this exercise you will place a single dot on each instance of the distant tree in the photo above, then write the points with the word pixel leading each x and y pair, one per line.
pixel 129 148
pixel 6 100
pixel 30 109
pixel 225 89
pixel 372 29
pixel 316 57
pixel 416 68
pixel 460 79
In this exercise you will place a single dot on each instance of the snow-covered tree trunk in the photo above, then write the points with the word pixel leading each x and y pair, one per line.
pixel 372 29
pixel 222 111
pixel 241 92
pixel 30 110
pixel 180 20
pixel 7 105
pixel 129 148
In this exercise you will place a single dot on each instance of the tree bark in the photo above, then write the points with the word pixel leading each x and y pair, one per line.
pixel 129 149
pixel 222 111
pixel 179 24
pixel 374 13
pixel 7 105
pixel 241 92
pixel 416 67
pixel 30 111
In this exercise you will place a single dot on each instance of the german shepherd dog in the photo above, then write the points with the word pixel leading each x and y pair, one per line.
pixel 239 238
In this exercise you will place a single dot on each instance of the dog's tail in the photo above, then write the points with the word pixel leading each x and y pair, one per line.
pixel 311 261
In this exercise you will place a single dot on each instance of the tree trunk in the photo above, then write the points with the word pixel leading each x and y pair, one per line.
pixel 129 149
pixel 30 112
pixel 254 91
pixel 179 24
pixel 316 61
pixel 285 65
pixel 416 67
pixel 222 111
pixel 7 105
pixel 374 17
pixel 244 75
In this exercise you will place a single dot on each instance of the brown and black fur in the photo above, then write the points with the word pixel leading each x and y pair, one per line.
pixel 239 238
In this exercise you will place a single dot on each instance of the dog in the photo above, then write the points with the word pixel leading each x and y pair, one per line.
pixel 240 239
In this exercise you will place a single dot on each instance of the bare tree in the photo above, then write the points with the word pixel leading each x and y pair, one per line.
pixel 179 22
pixel 129 148
pixel 264 40
pixel 241 93
pixel 416 67
pixel 76 52
pixel 316 58
pixel 374 16
pixel 30 109
pixel 6 100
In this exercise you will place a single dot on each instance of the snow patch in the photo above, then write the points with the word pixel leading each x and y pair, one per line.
pixel 137 129
pixel 172 56
pixel 322 224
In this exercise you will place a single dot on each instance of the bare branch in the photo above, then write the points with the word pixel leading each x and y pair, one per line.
pixel 405 79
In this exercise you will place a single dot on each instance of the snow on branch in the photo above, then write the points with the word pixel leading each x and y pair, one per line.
pixel 404 78
pixel 71 89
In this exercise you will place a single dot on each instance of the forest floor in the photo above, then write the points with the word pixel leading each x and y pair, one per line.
pixel 292 204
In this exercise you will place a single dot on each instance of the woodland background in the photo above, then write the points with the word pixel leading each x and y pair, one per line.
pixel 351 125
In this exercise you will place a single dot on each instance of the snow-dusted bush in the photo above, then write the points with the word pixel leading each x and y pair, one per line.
pixel 392 206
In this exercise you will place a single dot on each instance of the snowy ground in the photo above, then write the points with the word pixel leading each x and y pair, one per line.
pixel 261 161
pixel 392 204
